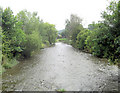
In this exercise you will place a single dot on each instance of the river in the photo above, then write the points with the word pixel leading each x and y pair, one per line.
pixel 61 67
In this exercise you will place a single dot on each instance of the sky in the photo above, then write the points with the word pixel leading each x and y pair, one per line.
pixel 57 11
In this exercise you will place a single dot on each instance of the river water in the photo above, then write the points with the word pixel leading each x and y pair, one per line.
pixel 61 67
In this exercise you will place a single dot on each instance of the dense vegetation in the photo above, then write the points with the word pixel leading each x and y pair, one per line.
pixel 102 39
pixel 22 35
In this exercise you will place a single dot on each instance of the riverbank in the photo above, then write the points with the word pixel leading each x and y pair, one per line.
pixel 10 63
pixel 61 67
pixel 64 40
pixel 67 41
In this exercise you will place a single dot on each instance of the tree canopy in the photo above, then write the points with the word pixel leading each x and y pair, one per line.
pixel 102 39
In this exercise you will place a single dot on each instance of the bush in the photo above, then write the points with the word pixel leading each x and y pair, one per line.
pixel 33 43
pixel 81 37
pixel 8 63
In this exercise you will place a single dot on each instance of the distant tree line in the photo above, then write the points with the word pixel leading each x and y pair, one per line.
pixel 102 39
pixel 23 34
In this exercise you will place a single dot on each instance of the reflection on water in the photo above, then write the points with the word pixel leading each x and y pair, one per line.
pixel 62 67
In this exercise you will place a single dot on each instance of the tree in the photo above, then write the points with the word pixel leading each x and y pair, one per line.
pixel 104 38
pixel 13 35
pixel 112 17
pixel 30 25
pixel 73 27
pixel 81 37
pixel 51 33
pixel 112 22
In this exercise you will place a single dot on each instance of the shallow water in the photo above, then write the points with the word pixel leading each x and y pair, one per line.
pixel 61 67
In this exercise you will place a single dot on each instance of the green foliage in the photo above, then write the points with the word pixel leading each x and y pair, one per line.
pixel 61 39
pixel 100 42
pixel 33 42
pixel 21 35
pixel 2 69
pixel 64 40
pixel 61 90
pixel 51 33
pixel 36 32
pixel 81 37
pixel 72 28
pixel 103 38
pixel 9 63
pixel 13 36
pixel 25 33
pixel 63 34
pixel 0 59
pixel 112 23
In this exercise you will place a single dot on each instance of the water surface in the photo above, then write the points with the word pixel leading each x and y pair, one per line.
pixel 61 67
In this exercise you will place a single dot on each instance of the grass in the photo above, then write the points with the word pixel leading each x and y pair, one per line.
pixel 64 40
pixel 61 90
pixel 10 63
pixel 2 69
pixel 61 39
pixel 7 64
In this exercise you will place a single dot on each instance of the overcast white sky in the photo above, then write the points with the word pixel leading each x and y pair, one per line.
pixel 57 11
